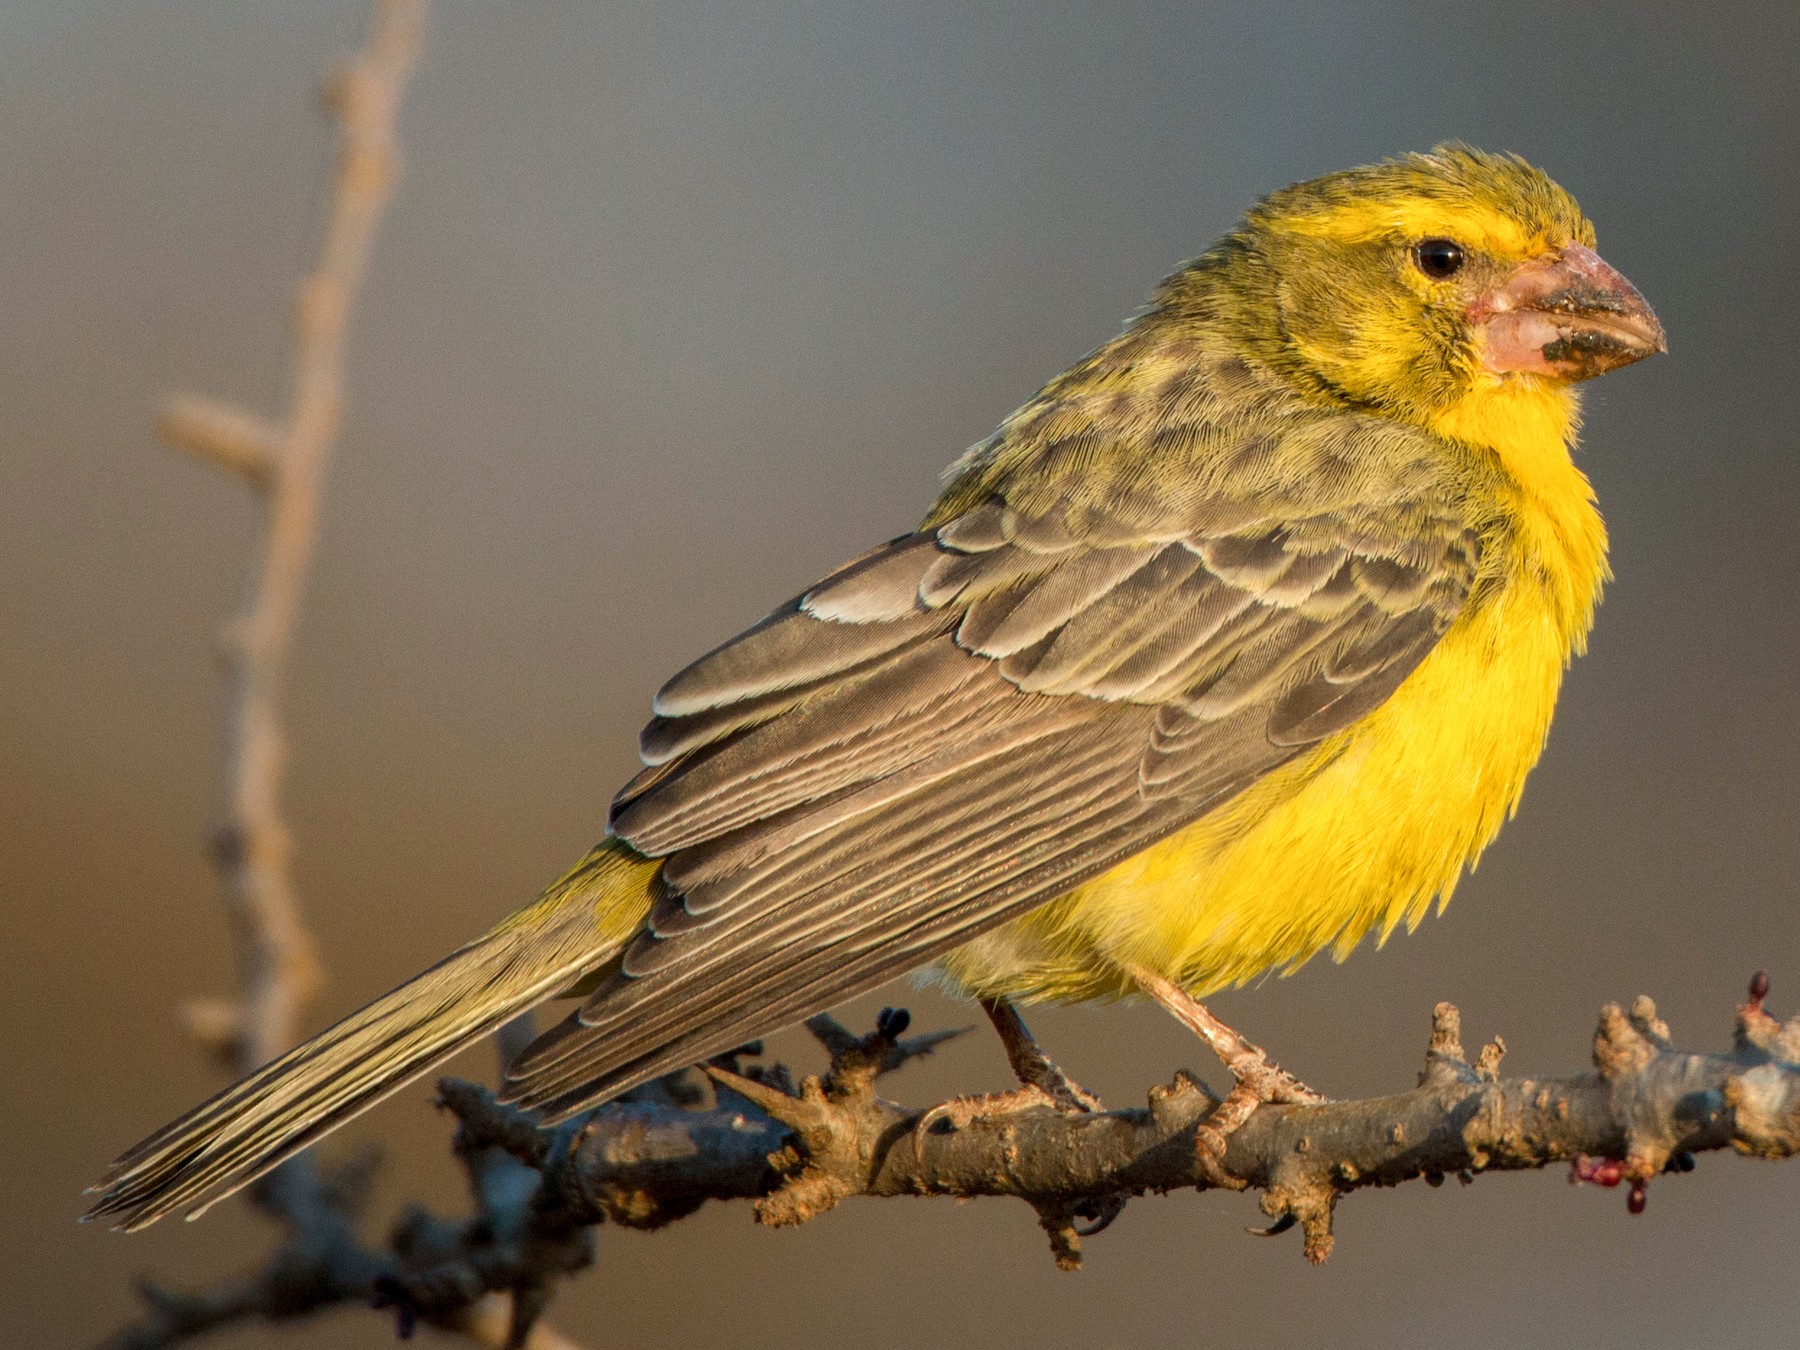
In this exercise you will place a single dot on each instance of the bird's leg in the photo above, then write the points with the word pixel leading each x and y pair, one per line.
pixel 1041 1082
pixel 1030 1065
pixel 1259 1078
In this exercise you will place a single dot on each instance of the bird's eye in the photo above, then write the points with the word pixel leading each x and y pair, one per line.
pixel 1438 258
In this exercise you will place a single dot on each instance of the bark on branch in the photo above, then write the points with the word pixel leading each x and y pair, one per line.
pixel 1644 1109
pixel 795 1151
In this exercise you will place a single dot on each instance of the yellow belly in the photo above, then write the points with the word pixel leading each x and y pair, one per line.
pixel 1360 834
pixel 1364 832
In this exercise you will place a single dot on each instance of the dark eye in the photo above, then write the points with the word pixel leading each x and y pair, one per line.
pixel 1438 258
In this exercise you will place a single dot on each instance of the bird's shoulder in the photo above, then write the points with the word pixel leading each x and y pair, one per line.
pixel 1171 429
pixel 1161 527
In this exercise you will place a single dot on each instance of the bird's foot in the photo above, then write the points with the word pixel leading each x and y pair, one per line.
pixel 1042 1083
pixel 961 1112
pixel 1260 1081
pixel 1031 1066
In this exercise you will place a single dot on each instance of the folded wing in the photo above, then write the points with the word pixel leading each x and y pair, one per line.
pixel 969 721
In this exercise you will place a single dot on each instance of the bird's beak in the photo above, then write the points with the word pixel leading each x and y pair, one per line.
pixel 1567 314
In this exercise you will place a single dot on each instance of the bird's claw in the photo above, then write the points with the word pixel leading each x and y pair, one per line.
pixel 1042 1083
pixel 1265 1084
pixel 1259 1080
pixel 960 1112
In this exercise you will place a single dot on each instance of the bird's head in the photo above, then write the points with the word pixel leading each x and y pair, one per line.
pixel 1427 284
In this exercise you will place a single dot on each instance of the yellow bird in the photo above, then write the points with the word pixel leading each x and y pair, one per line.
pixel 1233 644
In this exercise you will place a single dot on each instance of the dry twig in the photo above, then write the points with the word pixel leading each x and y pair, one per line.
pixel 322 1261
pixel 285 462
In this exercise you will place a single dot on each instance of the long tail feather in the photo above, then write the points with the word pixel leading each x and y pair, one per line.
pixel 265 1118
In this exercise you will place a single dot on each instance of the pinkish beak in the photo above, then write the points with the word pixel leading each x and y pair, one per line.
pixel 1567 314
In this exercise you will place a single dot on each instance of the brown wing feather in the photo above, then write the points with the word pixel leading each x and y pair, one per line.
pixel 965 723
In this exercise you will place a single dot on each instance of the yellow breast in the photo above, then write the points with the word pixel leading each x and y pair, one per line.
pixel 1366 831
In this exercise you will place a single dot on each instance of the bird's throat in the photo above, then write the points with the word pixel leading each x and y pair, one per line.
pixel 1529 425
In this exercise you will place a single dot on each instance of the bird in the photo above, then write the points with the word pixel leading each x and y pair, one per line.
pixel 1234 644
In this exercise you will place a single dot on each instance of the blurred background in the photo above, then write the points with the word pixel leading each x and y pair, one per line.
pixel 679 305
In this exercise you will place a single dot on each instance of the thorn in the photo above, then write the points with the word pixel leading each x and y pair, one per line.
pixel 1280 1226
pixel 1065 1239
pixel 390 1293
pixel 830 1033
pixel 1648 1024
pixel 237 441
pixel 216 1023
pixel 1167 1101
pixel 1315 1227
pixel 1756 1029
pixel 781 1105
pixel 1446 1032
pixel 1487 1063
pixel 1620 1049
pixel 914 1046
pixel 1444 1062
pixel 170 1303
pixel 529 1300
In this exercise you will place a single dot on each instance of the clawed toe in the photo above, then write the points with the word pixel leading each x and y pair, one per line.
pixel 961 1112
pixel 1042 1084
pixel 1260 1084
pixel 1260 1081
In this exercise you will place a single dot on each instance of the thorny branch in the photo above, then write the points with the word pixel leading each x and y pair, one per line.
pixel 796 1151
pixel 1646 1108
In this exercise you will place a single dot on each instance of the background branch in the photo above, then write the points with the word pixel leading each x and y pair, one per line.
pixel 322 1262
pixel 285 462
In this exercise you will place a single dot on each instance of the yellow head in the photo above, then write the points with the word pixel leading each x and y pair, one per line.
pixel 1411 285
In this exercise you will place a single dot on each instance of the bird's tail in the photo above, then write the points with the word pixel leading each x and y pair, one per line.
pixel 258 1122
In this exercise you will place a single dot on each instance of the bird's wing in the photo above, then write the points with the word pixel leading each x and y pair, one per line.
pixel 972 719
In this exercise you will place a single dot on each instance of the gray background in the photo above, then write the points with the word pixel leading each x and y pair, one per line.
pixel 677 307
